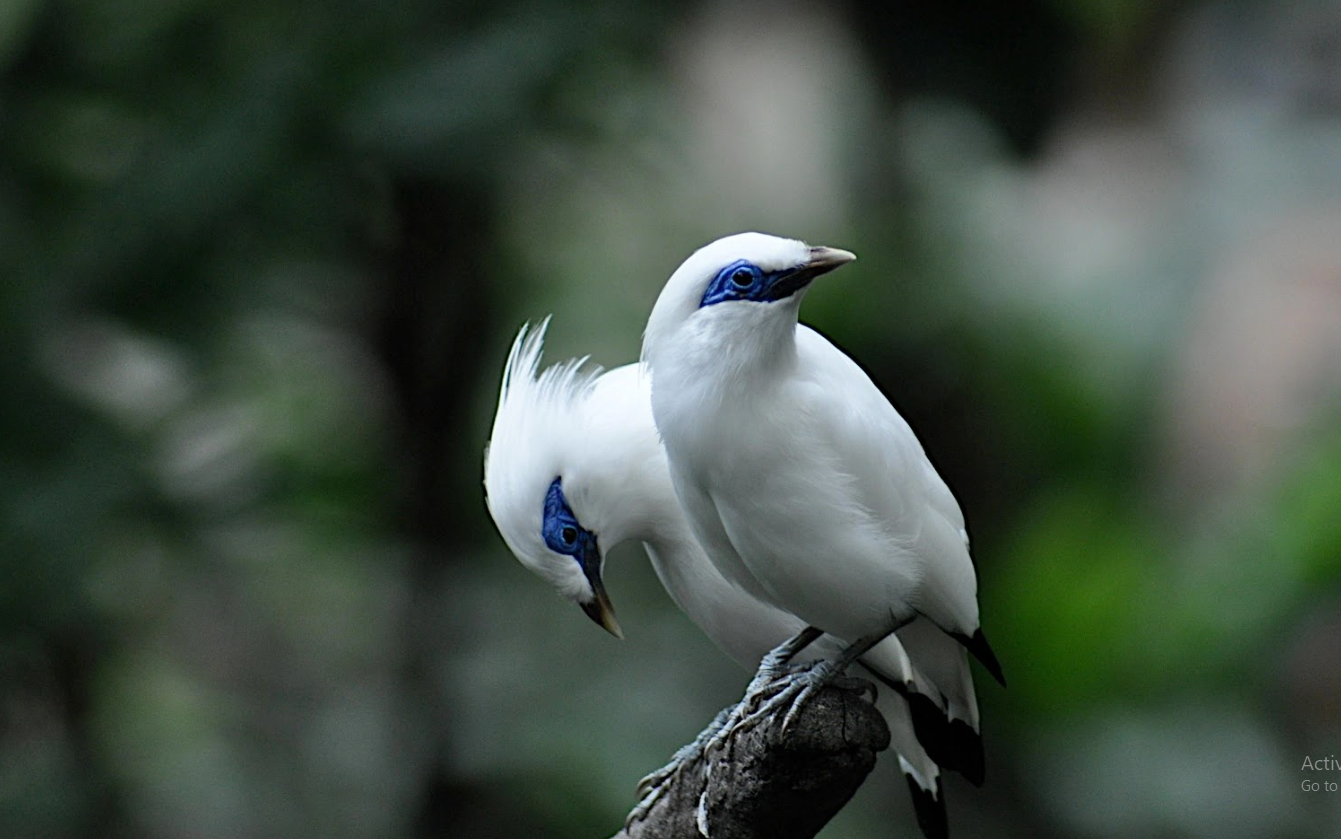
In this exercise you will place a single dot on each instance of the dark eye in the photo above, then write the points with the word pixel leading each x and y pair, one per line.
pixel 743 278
pixel 568 534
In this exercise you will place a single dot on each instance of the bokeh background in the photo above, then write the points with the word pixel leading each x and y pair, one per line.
pixel 261 263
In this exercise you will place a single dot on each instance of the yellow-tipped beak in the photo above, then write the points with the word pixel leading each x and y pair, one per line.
pixel 600 611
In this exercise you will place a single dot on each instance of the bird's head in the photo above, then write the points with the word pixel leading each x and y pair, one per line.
pixel 747 281
pixel 558 468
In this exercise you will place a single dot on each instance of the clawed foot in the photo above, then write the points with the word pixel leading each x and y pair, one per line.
pixel 768 693
pixel 650 790
pixel 653 781
pixel 774 687
pixel 831 676
pixel 789 690
pixel 655 784
pixel 795 696
pixel 772 681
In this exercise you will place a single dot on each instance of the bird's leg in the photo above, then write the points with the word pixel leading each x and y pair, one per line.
pixel 774 683
pixel 774 665
pixel 773 670
pixel 805 684
pixel 655 784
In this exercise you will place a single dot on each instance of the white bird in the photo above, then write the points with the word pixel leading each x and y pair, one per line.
pixel 799 478
pixel 574 467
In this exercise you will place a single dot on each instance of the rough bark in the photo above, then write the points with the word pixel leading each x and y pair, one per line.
pixel 780 786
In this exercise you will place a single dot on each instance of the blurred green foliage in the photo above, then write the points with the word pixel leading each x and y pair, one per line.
pixel 262 263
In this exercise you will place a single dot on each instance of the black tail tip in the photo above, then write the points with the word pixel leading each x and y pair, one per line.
pixel 930 809
pixel 983 652
pixel 952 744
pixel 967 749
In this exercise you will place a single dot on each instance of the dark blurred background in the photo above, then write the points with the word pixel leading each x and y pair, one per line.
pixel 261 263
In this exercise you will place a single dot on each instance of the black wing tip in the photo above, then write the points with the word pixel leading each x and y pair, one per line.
pixel 930 809
pixel 897 687
pixel 983 652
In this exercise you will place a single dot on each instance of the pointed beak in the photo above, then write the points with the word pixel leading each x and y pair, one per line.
pixel 600 609
pixel 821 261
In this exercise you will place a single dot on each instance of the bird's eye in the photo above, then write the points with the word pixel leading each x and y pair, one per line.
pixel 742 278
pixel 568 534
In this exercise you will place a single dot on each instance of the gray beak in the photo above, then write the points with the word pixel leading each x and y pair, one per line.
pixel 821 261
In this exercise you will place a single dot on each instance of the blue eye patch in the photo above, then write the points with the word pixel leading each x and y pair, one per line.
pixel 561 529
pixel 743 280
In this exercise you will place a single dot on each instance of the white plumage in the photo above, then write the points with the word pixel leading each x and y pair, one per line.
pixel 594 433
pixel 798 477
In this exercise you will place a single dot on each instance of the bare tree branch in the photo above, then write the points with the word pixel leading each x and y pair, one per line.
pixel 779 787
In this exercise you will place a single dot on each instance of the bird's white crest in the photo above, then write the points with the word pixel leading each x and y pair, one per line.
pixel 591 429
pixel 520 464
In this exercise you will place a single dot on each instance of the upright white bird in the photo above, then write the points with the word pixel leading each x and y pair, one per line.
pixel 803 484
pixel 574 468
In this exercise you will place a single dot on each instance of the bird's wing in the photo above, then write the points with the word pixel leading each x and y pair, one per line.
pixel 889 474
pixel 876 420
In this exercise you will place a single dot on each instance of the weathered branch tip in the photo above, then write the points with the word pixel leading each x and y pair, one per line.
pixel 779 787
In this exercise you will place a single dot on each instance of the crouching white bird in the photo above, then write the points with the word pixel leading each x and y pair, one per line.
pixel 574 467
pixel 800 480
